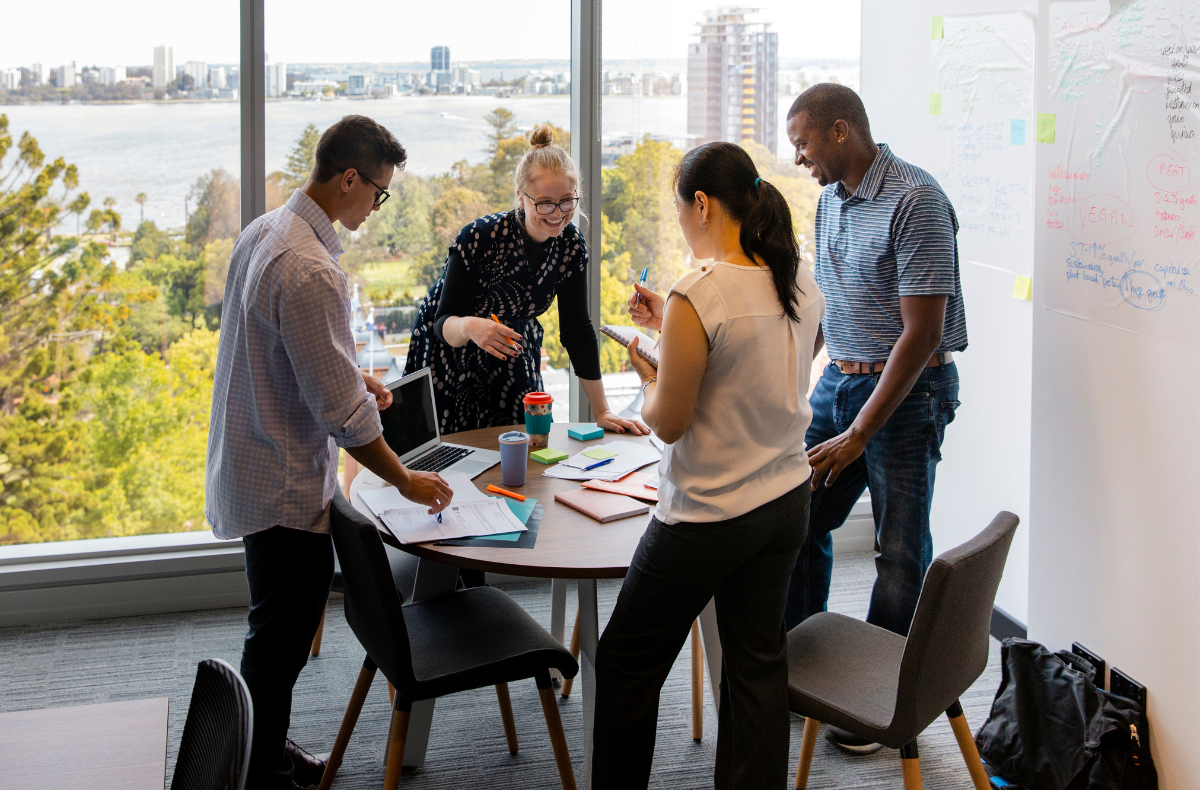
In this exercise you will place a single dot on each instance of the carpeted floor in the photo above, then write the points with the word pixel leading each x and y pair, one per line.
pixel 155 656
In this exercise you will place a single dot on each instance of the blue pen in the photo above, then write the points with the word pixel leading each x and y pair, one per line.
pixel 439 515
pixel 598 463
pixel 637 298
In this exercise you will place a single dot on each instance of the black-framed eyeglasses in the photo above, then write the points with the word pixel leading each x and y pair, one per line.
pixel 548 206
pixel 383 195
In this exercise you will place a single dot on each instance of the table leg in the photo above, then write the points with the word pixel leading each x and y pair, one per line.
pixel 712 650
pixel 589 639
pixel 433 579
pixel 558 616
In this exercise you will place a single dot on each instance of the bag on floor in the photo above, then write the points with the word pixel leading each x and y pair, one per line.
pixel 1051 728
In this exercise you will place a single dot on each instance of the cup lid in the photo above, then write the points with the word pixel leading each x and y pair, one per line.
pixel 515 437
pixel 538 398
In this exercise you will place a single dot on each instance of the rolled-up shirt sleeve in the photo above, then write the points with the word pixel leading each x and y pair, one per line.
pixel 314 322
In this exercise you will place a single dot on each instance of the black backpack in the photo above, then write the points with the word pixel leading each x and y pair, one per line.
pixel 1051 728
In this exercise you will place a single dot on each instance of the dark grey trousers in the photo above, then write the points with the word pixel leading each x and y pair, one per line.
pixel 744 563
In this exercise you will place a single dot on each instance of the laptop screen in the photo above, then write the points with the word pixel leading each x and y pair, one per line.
pixel 409 422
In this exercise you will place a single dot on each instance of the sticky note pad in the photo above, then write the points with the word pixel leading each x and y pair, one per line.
pixel 1022 287
pixel 599 453
pixel 935 104
pixel 1016 131
pixel 548 456
pixel 936 28
pixel 585 432
pixel 1045 127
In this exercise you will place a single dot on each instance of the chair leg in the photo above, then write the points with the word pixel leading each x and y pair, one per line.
pixel 966 745
pixel 510 726
pixel 365 676
pixel 910 765
pixel 697 683
pixel 566 686
pixel 558 740
pixel 395 758
pixel 808 742
pixel 391 693
pixel 316 645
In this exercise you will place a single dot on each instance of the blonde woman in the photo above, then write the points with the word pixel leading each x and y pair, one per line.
pixel 512 265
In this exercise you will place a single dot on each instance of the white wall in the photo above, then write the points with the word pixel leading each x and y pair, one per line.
pixel 985 458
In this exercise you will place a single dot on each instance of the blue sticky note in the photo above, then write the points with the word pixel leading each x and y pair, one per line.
pixel 1016 132
pixel 585 432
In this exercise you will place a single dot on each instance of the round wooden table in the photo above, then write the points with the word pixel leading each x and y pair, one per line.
pixel 569 545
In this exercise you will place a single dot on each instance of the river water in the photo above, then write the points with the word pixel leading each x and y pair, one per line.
pixel 161 148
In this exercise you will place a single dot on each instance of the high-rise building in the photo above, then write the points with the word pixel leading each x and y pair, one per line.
pixel 217 78
pixel 65 76
pixel 164 67
pixel 37 75
pixel 111 75
pixel 198 71
pixel 233 80
pixel 467 76
pixel 276 79
pixel 358 84
pixel 439 59
pixel 733 72
pixel 12 79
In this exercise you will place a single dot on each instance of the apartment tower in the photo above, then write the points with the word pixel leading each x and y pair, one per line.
pixel 164 67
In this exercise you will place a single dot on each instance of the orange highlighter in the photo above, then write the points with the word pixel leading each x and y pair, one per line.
pixel 497 490
pixel 498 321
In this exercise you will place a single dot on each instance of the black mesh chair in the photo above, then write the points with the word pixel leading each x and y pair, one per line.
pixel 214 751
pixel 888 689
pixel 463 640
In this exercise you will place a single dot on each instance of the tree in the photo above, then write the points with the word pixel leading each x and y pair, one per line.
pixel 141 201
pixel 111 217
pixel 504 126
pixel 302 158
pixel 78 206
pixel 148 243
pixel 217 214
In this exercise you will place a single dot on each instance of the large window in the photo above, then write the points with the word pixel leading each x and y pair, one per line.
pixel 121 175
pixel 681 74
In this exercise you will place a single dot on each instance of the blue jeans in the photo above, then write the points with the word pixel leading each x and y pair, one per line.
pixel 898 467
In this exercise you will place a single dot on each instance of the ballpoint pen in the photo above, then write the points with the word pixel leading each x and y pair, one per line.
pixel 637 297
pixel 598 463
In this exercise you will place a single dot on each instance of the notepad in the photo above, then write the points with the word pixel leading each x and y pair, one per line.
pixel 636 485
pixel 647 346
pixel 602 506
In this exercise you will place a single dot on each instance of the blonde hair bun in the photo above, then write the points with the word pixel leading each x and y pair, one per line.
pixel 542 136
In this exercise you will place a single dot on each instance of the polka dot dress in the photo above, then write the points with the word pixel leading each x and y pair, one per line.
pixel 472 388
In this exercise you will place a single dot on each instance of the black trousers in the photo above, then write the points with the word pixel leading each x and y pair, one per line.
pixel 289 572
pixel 744 563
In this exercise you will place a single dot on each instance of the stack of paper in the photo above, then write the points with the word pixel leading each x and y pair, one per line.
pixel 628 457
pixel 470 514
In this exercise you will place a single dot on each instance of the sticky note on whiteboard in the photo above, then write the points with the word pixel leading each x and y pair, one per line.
pixel 1045 127
pixel 936 28
pixel 935 104
pixel 1022 287
pixel 1016 132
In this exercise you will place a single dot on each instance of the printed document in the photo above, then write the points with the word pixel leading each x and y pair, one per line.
pixel 469 515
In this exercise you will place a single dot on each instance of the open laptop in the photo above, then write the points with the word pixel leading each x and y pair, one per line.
pixel 410 428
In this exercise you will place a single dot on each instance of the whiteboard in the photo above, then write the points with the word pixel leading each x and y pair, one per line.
pixel 1120 102
pixel 982 105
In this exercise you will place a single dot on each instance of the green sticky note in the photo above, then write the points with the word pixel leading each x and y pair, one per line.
pixel 599 453
pixel 937 29
pixel 935 104
pixel 1045 127
pixel 549 456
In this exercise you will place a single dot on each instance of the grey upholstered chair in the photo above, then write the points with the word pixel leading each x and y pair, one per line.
pixel 888 689
pixel 463 640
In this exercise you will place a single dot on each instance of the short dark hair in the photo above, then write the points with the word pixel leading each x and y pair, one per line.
pixel 359 142
pixel 828 102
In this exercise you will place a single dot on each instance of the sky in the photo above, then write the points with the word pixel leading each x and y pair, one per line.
pixel 297 30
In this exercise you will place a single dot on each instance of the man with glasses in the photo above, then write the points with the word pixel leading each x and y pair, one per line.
pixel 287 393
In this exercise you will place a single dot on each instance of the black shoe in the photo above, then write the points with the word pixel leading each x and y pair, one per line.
pixel 307 768
pixel 849 742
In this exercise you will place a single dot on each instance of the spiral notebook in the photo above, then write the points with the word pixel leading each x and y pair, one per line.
pixel 647 346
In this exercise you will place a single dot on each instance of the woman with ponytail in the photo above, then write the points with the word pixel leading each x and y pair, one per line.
pixel 511 265
pixel 729 400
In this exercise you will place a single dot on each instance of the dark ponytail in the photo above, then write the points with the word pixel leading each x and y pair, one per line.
pixel 726 173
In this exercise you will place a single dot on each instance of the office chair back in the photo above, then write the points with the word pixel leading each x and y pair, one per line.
pixel 372 603
pixel 214 751
pixel 947 648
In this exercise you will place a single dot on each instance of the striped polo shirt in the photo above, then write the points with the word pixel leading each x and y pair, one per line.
pixel 895 236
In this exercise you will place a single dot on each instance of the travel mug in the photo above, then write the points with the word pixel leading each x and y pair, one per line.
pixel 514 457
pixel 537 419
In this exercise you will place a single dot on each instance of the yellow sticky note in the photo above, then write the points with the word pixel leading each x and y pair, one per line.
pixel 599 453
pixel 935 104
pixel 1023 287
pixel 1045 127
pixel 937 29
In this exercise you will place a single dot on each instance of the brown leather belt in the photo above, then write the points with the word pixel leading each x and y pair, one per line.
pixel 850 368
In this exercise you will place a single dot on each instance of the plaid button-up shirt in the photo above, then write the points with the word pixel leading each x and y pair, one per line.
pixel 287 391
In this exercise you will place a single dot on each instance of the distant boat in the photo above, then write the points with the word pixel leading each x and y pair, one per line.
pixel 447 115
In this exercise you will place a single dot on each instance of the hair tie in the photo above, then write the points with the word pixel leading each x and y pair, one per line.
pixel 757 181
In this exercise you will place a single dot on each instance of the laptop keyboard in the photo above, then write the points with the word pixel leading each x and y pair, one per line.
pixel 441 457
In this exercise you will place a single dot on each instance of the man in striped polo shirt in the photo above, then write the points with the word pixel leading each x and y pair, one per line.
pixel 887 263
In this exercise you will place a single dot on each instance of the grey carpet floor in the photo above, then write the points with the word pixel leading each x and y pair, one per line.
pixel 155 656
